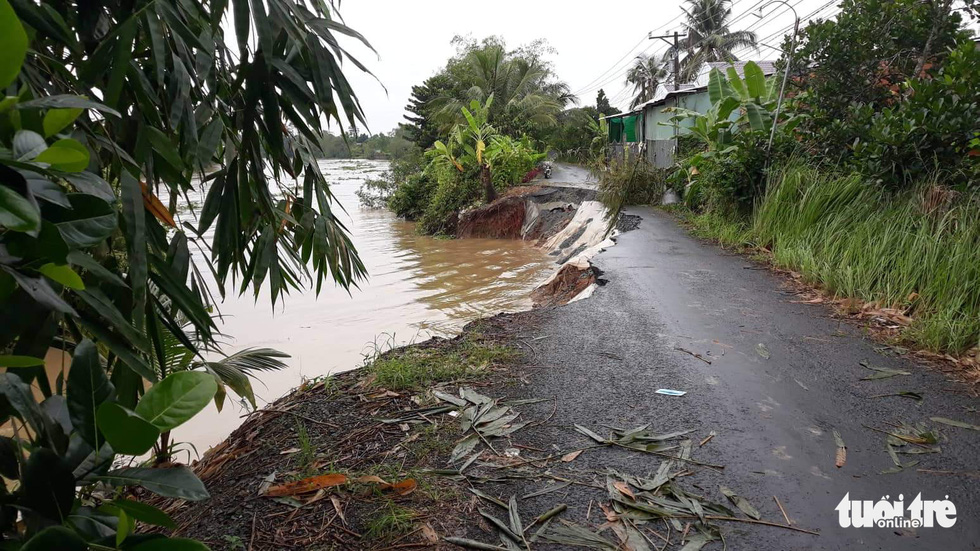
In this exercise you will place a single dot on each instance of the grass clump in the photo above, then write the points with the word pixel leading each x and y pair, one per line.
pixel 918 250
pixel 389 522
pixel 418 367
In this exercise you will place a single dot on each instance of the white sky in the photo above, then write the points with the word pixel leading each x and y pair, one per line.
pixel 413 40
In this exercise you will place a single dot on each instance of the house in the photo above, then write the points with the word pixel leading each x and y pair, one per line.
pixel 654 133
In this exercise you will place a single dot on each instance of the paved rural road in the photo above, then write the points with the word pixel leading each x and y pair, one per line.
pixel 568 175
pixel 604 357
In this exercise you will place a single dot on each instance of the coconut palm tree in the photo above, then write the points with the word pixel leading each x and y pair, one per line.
pixel 645 75
pixel 524 91
pixel 708 36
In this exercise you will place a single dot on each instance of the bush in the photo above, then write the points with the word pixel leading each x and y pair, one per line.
pixel 454 191
pixel 512 160
pixel 630 180
pixel 929 131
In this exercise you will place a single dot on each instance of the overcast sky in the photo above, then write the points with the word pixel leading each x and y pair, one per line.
pixel 593 40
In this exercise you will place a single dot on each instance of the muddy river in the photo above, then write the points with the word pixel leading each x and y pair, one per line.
pixel 417 287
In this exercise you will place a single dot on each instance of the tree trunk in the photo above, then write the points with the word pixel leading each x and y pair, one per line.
pixel 487 183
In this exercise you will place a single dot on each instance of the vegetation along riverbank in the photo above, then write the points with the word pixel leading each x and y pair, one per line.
pixel 163 159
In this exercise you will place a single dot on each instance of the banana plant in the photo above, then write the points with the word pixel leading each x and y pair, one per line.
pixel 473 140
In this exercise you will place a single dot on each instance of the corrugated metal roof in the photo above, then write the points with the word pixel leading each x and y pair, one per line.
pixel 701 81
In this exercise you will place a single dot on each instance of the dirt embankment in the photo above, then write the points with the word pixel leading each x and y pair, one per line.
pixel 567 222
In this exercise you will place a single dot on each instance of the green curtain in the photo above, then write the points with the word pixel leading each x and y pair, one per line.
pixel 615 130
pixel 629 127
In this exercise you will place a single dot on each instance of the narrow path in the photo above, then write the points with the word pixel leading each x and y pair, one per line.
pixel 568 175
pixel 604 358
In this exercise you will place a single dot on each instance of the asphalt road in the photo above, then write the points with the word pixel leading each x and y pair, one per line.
pixel 568 175
pixel 604 357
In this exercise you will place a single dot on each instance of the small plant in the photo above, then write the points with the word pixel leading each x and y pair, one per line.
pixel 420 367
pixel 306 457
pixel 389 522
pixel 234 543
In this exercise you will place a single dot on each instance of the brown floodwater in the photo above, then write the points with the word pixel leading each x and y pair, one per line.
pixel 417 287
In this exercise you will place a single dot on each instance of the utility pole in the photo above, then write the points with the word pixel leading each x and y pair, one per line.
pixel 677 68
pixel 789 62
pixel 676 44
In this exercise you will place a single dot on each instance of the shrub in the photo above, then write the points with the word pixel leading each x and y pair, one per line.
pixel 453 192
pixel 630 180
pixel 929 131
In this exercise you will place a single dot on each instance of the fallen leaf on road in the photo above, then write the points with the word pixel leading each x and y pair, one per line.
pixel 404 487
pixel 881 372
pixel 955 423
pixel 624 489
pixel 762 350
pixel 568 457
pixel 740 502
pixel 841 450
pixel 307 485
pixel 903 394
pixel 336 507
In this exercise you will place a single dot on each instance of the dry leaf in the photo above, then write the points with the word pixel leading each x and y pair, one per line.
pixel 624 489
pixel 371 479
pixel 307 485
pixel 290 451
pixel 156 208
pixel 404 487
pixel 571 456
pixel 336 506
pixel 429 533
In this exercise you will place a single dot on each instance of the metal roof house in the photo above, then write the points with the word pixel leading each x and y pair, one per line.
pixel 655 132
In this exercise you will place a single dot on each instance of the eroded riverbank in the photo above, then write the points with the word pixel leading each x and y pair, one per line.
pixel 676 313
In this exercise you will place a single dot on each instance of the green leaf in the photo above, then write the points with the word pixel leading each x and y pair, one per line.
pixel 65 154
pixel 144 513
pixel 13 44
pixel 20 361
pixel 718 88
pixel 47 486
pixel 127 432
pixel 89 222
pixel 66 101
pixel 737 84
pixel 87 388
pixel 55 537
pixel 17 213
pixel 176 399
pixel 755 80
pixel 171 544
pixel 955 423
pixel 178 482
pixel 165 148
pixel 63 274
pixel 92 266
pixel 57 119
pixel 134 230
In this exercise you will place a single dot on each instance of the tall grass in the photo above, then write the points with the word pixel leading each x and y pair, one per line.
pixel 918 250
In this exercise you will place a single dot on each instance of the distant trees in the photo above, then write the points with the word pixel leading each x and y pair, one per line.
pixel 527 95
pixel 645 75
pixel 602 104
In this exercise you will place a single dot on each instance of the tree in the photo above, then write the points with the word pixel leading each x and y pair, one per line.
pixel 527 97
pixel 106 108
pixel 422 129
pixel 602 104
pixel 645 75
pixel 848 69
pixel 708 37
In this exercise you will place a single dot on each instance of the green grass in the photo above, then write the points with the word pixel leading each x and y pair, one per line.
pixel 389 522
pixel 306 456
pixel 415 367
pixel 859 241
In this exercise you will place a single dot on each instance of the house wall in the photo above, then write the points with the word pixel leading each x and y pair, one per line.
pixel 657 123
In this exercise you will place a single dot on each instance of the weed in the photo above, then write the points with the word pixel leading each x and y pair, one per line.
pixel 389 522
pixel 420 367
pixel 901 250
pixel 306 457
pixel 234 543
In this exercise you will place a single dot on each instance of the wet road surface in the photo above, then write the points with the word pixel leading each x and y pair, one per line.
pixel 604 357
